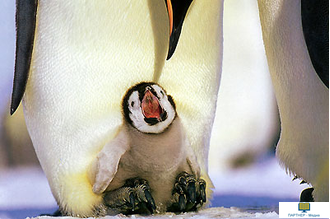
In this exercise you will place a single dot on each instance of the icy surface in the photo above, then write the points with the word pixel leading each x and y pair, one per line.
pixel 206 213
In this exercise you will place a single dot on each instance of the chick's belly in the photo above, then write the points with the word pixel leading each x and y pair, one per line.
pixel 160 172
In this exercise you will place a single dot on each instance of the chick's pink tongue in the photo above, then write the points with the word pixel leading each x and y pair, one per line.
pixel 150 106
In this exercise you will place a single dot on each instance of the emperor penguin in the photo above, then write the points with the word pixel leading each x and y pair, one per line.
pixel 149 164
pixel 298 64
pixel 74 60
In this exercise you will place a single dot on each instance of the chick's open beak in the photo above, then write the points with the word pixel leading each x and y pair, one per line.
pixel 150 106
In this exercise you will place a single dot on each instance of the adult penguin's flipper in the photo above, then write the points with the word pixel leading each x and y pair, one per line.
pixel 25 29
pixel 177 10
pixel 315 21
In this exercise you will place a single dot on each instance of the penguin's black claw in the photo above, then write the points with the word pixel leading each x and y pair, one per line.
pixel 307 195
pixel 150 201
pixel 191 190
pixel 182 202
pixel 132 200
pixel 295 177
pixel 303 182
pixel 188 193
pixel 133 197
pixel 202 193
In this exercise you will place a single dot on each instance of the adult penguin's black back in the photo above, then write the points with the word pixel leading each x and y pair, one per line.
pixel 315 21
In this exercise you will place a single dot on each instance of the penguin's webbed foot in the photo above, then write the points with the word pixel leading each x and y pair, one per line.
pixel 307 195
pixel 188 193
pixel 134 197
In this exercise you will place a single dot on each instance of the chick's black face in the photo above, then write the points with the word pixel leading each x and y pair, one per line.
pixel 148 108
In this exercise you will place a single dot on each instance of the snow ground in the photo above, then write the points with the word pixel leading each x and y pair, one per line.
pixel 247 193
pixel 220 212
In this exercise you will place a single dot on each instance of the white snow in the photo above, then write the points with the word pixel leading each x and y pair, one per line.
pixel 205 213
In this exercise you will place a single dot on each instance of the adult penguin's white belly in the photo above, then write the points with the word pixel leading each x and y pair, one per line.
pixel 302 98
pixel 86 55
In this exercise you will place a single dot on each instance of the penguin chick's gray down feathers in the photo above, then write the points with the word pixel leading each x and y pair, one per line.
pixel 151 144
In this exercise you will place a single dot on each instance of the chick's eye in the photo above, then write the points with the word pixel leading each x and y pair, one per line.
pixel 132 103
pixel 162 92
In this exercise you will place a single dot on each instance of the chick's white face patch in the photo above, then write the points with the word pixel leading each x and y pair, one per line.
pixel 154 113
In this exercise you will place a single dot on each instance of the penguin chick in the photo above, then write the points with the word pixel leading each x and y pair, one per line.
pixel 150 145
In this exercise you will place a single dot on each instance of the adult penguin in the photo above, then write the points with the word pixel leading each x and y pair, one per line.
pixel 298 72
pixel 75 60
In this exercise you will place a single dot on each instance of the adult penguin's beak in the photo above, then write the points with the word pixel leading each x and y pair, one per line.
pixel 177 10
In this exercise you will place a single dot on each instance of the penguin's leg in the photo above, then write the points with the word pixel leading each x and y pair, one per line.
pixel 188 193
pixel 133 197
pixel 307 195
